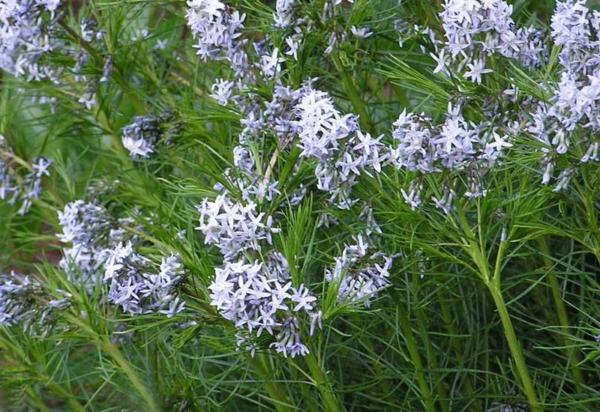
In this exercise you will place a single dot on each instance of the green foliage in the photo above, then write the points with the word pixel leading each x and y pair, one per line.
pixel 434 340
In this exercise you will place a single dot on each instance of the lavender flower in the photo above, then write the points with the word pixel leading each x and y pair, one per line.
pixel 284 13
pixel 259 299
pixel 475 30
pixel 456 145
pixel 342 151
pixel 286 17
pixel 83 223
pixel 87 227
pixel 101 252
pixel 361 33
pixel 270 64
pixel 26 37
pixel 255 294
pixel 17 298
pixel 141 136
pixel 222 91
pixel 29 188
pixel 574 107
pixel 24 302
pixel 358 275
pixel 416 149
pixel 233 227
pixel 218 28
pixel 32 185
pixel 137 287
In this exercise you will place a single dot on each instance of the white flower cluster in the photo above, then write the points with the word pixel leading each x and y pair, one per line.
pixel 256 295
pixel 222 91
pixel 25 191
pixel 252 288
pixel 575 30
pixel 276 119
pixel 26 36
pixel 475 30
pixel 137 287
pixel 455 145
pixel 206 17
pixel 358 275
pixel 574 109
pixel 361 32
pixel 279 115
pixel 335 140
pixel 218 29
pixel 270 61
pixel 100 251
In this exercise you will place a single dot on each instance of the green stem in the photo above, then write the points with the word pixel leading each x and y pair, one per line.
pixel 443 398
pixel 310 403
pixel 117 356
pixel 276 392
pixel 71 400
pixel 35 397
pixel 323 384
pixel 515 348
pixel 493 281
pixel 458 351
pixel 107 346
pixel 413 351
pixel 561 313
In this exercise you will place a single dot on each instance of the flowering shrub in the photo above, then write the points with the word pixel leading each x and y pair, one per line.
pixel 323 205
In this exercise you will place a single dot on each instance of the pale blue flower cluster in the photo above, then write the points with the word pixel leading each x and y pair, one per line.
pixel 26 37
pixel 456 145
pixel 358 273
pixel 17 298
pixel 341 149
pixel 252 288
pixel 569 123
pixel 138 286
pixel 217 28
pixel 102 252
pixel 86 229
pixel 140 137
pixel 24 302
pixel 20 191
pixel 255 293
pixel 475 30
pixel 144 136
